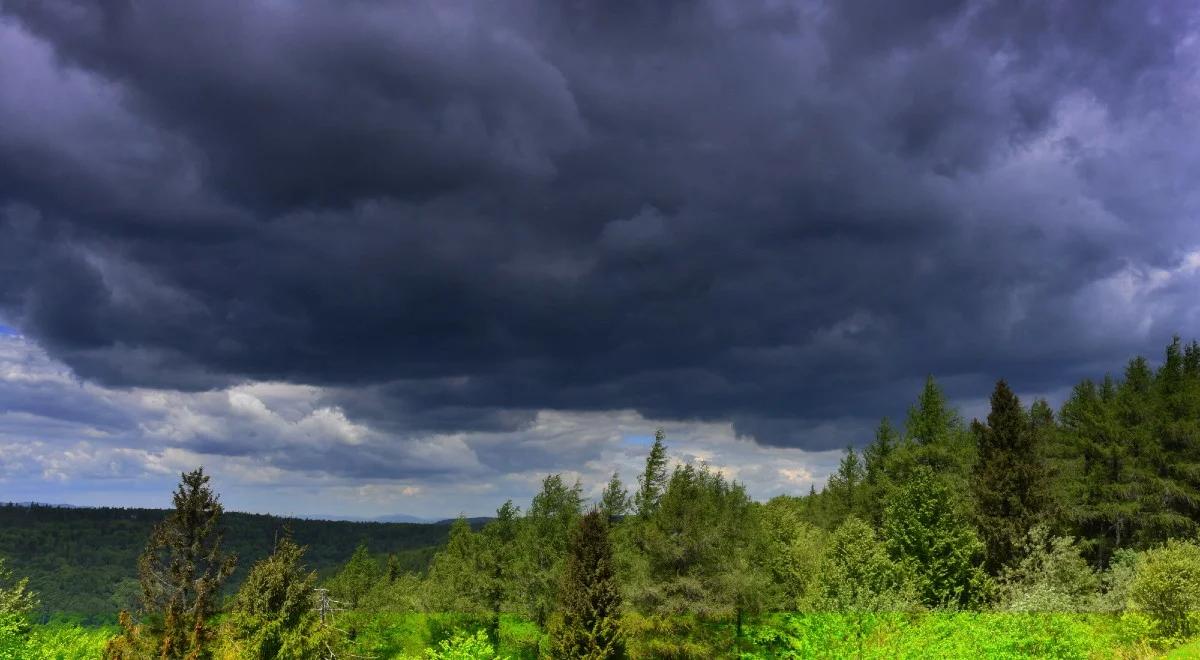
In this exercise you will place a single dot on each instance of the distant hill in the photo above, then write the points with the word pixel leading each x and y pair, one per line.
pixel 83 561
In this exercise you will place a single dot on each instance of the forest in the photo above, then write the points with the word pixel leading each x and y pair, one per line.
pixel 1034 532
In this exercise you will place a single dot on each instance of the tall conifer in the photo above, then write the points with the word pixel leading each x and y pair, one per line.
pixel 1009 486
pixel 589 600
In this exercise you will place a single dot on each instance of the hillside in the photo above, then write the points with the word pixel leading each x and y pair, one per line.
pixel 83 561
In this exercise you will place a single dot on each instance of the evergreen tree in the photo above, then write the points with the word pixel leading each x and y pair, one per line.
pixel 181 572
pixel 926 532
pixel 877 478
pixel 498 558
pixel 356 578
pixel 699 548
pixel 588 597
pixel 614 502
pixel 654 478
pixel 546 532
pixel 932 418
pixel 458 578
pixel 1009 479
pixel 845 484
pixel 273 613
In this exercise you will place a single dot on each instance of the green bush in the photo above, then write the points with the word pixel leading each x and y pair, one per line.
pixel 1166 586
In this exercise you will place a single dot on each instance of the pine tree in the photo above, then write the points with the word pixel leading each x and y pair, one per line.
pixel 1009 479
pixel 614 502
pixel 654 479
pixel 589 599
pixel 181 572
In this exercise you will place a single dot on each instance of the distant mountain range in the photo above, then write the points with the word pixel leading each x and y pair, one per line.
pixel 391 518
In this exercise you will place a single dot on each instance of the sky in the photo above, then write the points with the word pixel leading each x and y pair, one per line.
pixel 367 258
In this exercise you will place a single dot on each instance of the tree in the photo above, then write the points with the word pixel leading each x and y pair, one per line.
pixel 932 418
pixel 925 532
pixel 791 551
pixel 614 502
pixel 16 605
pixel 877 479
pixel 546 532
pixel 699 548
pixel 273 613
pixel 356 578
pixel 845 484
pixel 1009 479
pixel 858 578
pixel 588 597
pixel 181 572
pixel 498 558
pixel 458 578
pixel 654 477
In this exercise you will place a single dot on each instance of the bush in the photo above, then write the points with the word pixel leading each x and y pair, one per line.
pixel 1050 577
pixel 1166 587
pixel 464 646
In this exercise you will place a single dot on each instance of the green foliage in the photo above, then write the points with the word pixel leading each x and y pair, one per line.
pixel 464 647
pixel 857 575
pixel 1009 479
pixel 942 634
pixel 545 532
pixel 55 641
pixel 588 598
pixel 1166 586
pixel 356 578
pixel 791 552
pixel 614 501
pixel 83 562
pixel 181 572
pixel 458 575
pixel 273 614
pixel 845 486
pixel 697 548
pixel 1050 576
pixel 1130 455
pixel 654 478
pixel 927 535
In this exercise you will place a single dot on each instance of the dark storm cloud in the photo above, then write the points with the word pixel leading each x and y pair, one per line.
pixel 782 214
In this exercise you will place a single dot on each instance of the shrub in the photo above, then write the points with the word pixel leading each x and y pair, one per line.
pixel 1166 587
pixel 1051 576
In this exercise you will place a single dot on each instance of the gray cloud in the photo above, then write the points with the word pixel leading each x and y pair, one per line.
pixel 451 216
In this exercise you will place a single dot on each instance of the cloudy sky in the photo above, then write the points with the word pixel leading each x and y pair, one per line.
pixel 361 258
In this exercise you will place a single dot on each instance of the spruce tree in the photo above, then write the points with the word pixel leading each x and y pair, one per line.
pixel 654 479
pixel 589 600
pixel 181 572
pixel 1009 479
